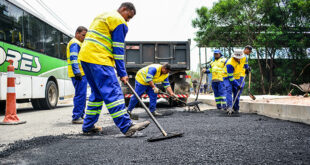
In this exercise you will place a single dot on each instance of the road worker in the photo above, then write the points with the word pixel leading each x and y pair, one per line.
pixel 217 69
pixel 75 71
pixel 235 67
pixel 102 50
pixel 145 82
pixel 247 51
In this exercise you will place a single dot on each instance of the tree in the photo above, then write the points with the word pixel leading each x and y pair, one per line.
pixel 270 26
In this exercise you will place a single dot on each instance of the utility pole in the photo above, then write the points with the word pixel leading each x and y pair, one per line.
pixel 206 56
pixel 199 59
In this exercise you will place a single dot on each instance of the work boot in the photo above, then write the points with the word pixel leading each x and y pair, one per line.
pixel 133 116
pixel 78 121
pixel 93 130
pixel 136 127
pixel 157 114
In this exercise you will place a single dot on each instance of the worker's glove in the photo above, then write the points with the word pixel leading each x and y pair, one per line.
pixel 240 86
pixel 174 96
pixel 78 76
pixel 247 71
pixel 156 90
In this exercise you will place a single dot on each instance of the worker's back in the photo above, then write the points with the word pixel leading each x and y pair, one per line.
pixel 97 46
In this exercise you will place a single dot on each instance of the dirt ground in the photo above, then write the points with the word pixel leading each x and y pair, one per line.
pixel 293 100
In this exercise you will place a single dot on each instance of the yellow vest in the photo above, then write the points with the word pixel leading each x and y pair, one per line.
pixel 97 46
pixel 238 67
pixel 158 77
pixel 218 69
pixel 70 71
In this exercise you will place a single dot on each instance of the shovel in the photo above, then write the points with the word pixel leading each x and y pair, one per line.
pixel 195 103
pixel 164 135
pixel 187 104
pixel 250 94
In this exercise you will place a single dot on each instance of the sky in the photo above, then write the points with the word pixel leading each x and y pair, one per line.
pixel 156 20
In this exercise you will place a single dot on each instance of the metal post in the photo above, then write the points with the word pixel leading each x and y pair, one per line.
pixel 206 56
pixel 199 60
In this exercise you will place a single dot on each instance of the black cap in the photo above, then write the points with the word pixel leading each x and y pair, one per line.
pixel 167 66
pixel 248 47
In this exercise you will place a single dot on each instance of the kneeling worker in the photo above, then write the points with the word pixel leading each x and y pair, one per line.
pixel 145 79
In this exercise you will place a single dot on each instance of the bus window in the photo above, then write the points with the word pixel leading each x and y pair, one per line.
pixel 34 33
pixel 11 23
pixel 51 41
pixel 64 39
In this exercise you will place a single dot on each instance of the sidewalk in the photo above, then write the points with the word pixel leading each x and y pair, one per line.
pixel 291 108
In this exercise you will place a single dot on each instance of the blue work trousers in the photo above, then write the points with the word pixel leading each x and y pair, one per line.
pixel 104 88
pixel 140 89
pixel 79 99
pixel 219 90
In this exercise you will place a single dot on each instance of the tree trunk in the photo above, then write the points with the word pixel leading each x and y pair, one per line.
pixel 270 75
pixel 272 55
pixel 261 72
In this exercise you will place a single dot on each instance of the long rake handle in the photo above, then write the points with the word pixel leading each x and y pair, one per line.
pixel 201 75
pixel 249 81
pixel 147 111
pixel 238 91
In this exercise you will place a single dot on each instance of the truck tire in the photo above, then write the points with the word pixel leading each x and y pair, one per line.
pixel 173 103
pixel 127 101
pixel 51 97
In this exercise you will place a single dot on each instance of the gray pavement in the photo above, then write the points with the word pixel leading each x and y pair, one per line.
pixel 210 138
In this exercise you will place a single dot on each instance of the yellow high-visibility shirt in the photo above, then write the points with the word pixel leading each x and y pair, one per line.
pixel 74 64
pixel 234 69
pixel 98 46
pixel 143 76
pixel 218 69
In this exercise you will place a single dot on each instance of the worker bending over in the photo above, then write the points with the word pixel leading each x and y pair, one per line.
pixel 235 69
pixel 145 82
pixel 75 71
pixel 102 50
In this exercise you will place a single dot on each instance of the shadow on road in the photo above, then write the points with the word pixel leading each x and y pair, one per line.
pixel 30 109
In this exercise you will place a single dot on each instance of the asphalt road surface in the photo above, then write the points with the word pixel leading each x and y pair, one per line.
pixel 209 138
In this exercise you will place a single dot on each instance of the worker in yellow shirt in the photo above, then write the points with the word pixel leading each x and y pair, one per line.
pixel 236 67
pixel 75 71
pixel 217 69
pixel 145 82
pixel 102 50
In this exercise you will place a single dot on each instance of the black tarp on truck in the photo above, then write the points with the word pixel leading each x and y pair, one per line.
pixel 139 54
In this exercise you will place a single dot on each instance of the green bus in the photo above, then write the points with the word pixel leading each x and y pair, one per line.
pixel 38 49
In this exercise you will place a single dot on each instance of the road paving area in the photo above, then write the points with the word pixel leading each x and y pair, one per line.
pixel 210 137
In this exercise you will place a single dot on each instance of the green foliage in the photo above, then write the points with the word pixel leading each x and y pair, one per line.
pixel 270 26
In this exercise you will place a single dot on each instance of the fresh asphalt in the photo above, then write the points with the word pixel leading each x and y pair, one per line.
pixel 209 137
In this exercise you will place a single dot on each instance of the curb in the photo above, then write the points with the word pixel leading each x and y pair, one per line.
pixel 295 113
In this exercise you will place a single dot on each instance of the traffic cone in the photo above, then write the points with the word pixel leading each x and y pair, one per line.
pixel 10 112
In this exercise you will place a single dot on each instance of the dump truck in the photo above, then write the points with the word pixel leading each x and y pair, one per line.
pixel 139 54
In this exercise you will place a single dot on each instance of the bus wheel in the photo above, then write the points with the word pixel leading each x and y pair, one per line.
pixel 2 107
pixel 51 97
pixel 36 104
